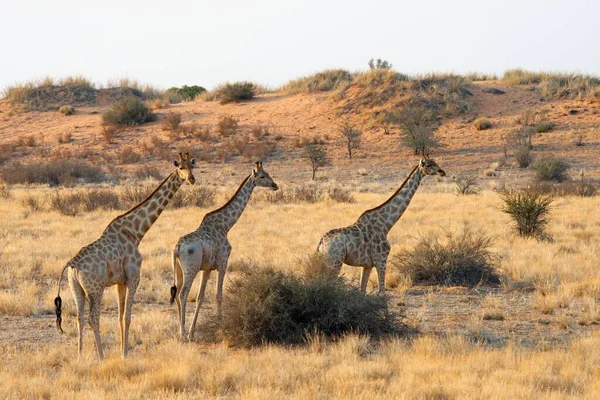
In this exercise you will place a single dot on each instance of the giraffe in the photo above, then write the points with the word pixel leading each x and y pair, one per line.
pixel 364 243
pixel 207 248
pixel 114 258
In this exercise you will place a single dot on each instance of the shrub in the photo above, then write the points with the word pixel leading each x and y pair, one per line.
pixel 234 92
pixel 379 64
pixel 418 124
pixel 188 93
pixel 127 112
pixel 465 184
pixel 569 188
pixel 352 136
pixel 109 133
pixel 523 156
pixel 544 126
pixel 323 81
pixel 5 191
pixel 128 155
pixel 66 110
pixel 341 195
pixel 266 306
pixel 65 137
pixel 227 125
pixel 194 196
pixel 32 203
pixel 316 156
pixel 481 124
pixel 172 121
pixel 551 169
pixel 464 259
pixel 54 173
pixel 65 204
pixel 529 211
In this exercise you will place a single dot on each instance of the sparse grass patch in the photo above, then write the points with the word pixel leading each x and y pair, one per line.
pixel 228 125
pixel 481 124
pixel 461 259
pixel 128 155
pixel 171 122
pixel 233 92
pixel 323 81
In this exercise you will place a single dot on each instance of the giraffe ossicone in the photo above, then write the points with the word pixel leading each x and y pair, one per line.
pixel 114 259
pixel 208 248
pixel 364 243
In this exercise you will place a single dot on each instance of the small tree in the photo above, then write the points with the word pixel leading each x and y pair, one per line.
pixel 528 210
pixel 352 136
pixel 418 125
pixel 379 64
pixel 316 156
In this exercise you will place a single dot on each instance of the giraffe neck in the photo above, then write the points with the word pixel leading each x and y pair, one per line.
pixel 388 213
pixel 136 222
pixel 226 216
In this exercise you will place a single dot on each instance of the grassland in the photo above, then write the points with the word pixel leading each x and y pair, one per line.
pixel 533 337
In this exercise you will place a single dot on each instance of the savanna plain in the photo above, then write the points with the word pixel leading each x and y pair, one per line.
pixel 531 335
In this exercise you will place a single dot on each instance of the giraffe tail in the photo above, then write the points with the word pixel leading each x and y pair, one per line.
pixel 58 302
pixel 175 260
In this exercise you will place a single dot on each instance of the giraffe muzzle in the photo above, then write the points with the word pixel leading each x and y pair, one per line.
pixel 441 172
pixel 274 186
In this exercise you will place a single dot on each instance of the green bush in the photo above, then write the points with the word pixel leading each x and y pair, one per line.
pixel 266 306
pixel 529 211
pixel 127 112
pixel 462 259
pixel 234 92
pixel 544 126
pixel 187 93
pixel 551 169
pixel 481 124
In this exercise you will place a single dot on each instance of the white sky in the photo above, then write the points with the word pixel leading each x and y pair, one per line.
pixel 177 42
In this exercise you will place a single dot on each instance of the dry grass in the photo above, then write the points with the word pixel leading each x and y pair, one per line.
pixel 161 367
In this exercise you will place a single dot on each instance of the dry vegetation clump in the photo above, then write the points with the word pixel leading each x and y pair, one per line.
pixel 418 124
pixel 267 306
pixel 556 85
pixel 47 94
pixel 307 193
pixel 194 196
pixel 481 124
pixel 551 169
pixel 529 211
pixel 128 111
pixel 340 195
pixel 65 137
pixel 316 156
pixel 465 184
pixel 231 92
pixel 54 173
pixel 461 259
pixel 582 188
pixel 324 81
pixel 228 125
pixel 172 122
pixel 128 155
pixel 67 110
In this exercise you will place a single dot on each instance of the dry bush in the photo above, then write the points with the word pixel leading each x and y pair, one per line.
pixel 544 126
pixel 556 85
pixel 67 110
pixel 569 188
pixel 551 169
pixel 578 139
pixel 56 172
pixel 481 124
pixel 65 204
pixel 323 81
pixel 315 266
pixel 160 103
pixel 461 259
pixel 529 211
pixel 132 195
pixel 228 125
pixel 32 203
pixel 316 157
pixel 258 151
pixel 156 147
pixel 418 124
pixel 128 155
pixel 465 184
pixel 109 133
pixel 65 137
pixel 292 194
pixel 194 196
pixel 146 172
pixel 352 136
pixel 341 195
pixel 5 192
pixel 266 306
pixel 171 122
pixel 234 92
pixel 127 112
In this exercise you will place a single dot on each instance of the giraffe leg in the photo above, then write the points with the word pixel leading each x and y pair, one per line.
pixel 95 304
pixel 79 298
pixel 132 286
pixel 183 295
pixel 199 301
pixel 220 279
pixel 178 285
pixel 121 292
pixel 380 266
pixel 364 278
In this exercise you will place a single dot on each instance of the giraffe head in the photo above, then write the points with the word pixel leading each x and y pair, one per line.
pixel 184 167
pixel 260 177
pixel 430 167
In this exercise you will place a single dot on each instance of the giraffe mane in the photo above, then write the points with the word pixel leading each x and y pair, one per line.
pixel 230 200
pixel 395 193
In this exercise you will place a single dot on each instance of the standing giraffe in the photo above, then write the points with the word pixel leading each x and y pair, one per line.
pixel 364 243
pixel 115 259
pixel 207 248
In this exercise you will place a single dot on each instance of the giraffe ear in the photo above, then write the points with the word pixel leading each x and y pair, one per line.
pixel 422 162
pixel 176 163
pixel 193 163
